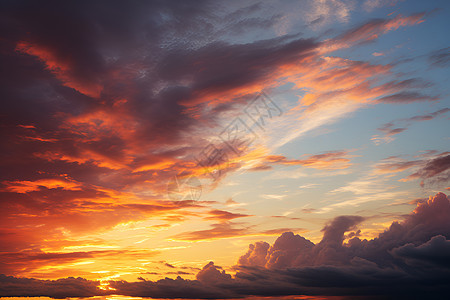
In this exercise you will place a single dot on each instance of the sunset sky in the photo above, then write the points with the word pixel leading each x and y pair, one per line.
pixel 225 149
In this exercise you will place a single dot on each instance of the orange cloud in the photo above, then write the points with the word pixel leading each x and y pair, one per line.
pixel 221 215
pixel 332 160
pixel 61 67
pixel 370 31
pixel 30 186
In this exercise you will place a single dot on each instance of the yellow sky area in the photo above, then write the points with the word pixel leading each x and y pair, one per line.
pixel 135 249
pixel 139 249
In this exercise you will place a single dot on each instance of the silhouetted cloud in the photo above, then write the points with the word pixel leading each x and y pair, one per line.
pixel 62 288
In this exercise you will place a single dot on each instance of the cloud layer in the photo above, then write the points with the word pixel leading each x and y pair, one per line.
pixel 409 260
pixel 116 106
pixel 104 102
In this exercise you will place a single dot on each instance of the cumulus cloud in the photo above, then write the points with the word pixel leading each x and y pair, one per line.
pixel 408 260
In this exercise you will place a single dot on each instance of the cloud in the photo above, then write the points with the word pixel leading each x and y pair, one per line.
pixel 210 274
pixel 436 169
pixel 408 260
pixel 256 254
pixel 434 252
pixel 394 165
pixel 218 231
pixel 222 215
pixel 15 262
pixel 390 129
pixel 67 287
pixel 428 117
pixel 291 250
pixel 440 58
pixel 412 251
pixel 370 5
pixel 30 186
pixel 169 265
pixel 226 229
pixel 111 134
pixel 101 115
pixel 331 160
pixel 407 97
pixel 371 30
pixel 433 168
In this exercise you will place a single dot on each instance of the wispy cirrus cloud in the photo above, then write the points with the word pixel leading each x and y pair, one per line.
pixel 440 58
pixel 431 168
pixel 226 230
pixel 331 160
pixel 391 129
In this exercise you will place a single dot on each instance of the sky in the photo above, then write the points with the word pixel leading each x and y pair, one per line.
pixel 225 149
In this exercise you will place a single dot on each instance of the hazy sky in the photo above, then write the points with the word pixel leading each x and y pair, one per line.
pixel 225 149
